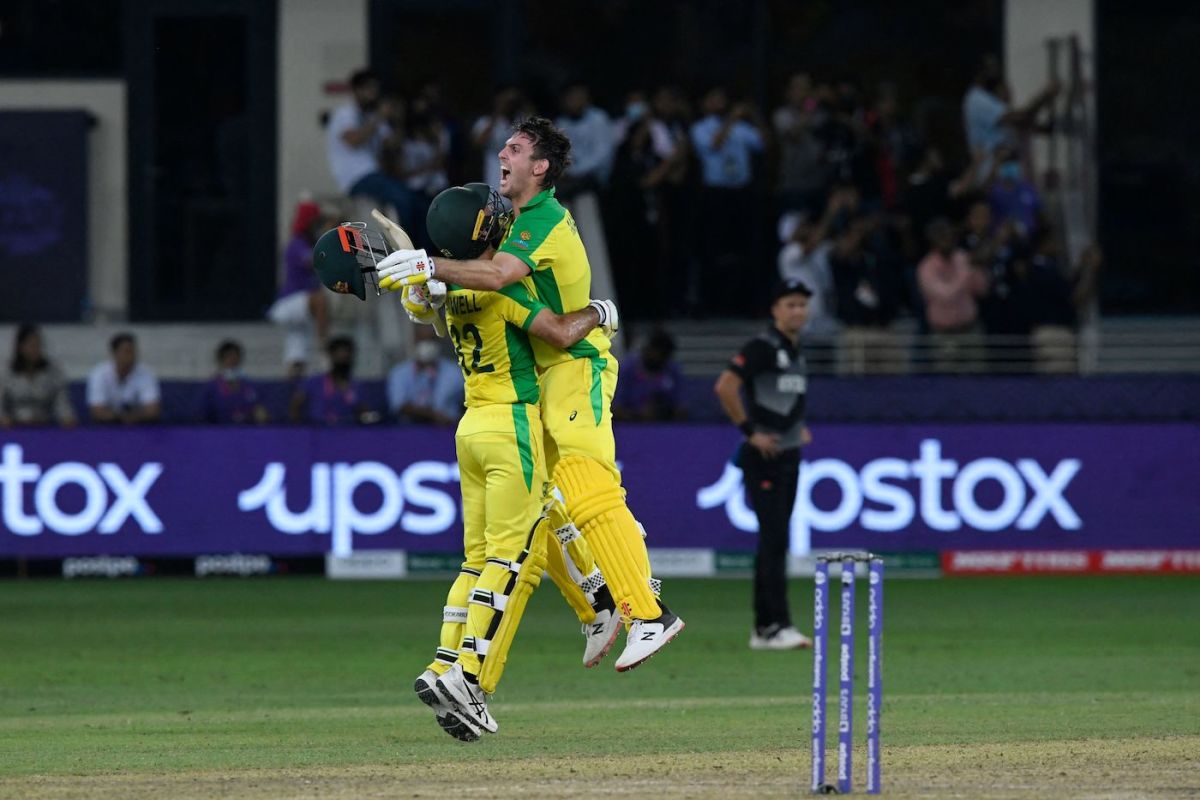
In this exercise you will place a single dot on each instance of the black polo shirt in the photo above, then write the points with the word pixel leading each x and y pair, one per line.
pixel 776 379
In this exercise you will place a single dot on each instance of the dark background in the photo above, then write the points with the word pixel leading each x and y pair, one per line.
pixel 223 67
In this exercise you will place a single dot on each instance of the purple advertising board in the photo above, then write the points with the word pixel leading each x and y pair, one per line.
pixel 890 488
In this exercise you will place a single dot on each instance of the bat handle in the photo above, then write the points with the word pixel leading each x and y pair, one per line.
pixel 439 325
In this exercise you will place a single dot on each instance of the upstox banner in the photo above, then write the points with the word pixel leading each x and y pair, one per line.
pixel 279 491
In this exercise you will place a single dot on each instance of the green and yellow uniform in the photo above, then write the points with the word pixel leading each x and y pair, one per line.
pixel 577 386
pixel 502 464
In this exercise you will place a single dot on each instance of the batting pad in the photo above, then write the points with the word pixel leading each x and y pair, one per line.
pixel 560 573
pixel 596 502
pixel 496 606
pixel 454 620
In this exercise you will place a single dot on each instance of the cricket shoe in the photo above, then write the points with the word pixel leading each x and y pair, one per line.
pixel 426 689
pixel 469 701
pixel 647 636
pixel 601 633
pixel 776 637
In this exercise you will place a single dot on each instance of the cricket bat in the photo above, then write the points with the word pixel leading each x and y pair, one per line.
pixel 399 239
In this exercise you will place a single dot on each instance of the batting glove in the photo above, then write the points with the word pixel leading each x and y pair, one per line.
pixel 415 300
pixel 609 319
pixel 404 268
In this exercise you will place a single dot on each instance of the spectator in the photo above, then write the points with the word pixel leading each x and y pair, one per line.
pixel 990 121
pixel 34 392
pixel 1052 314
pixel 726 140
pixel 1007 306
pixel 592 143
pixel 931 192
pixel 230 398
pixel 301 306
pixel 977 238
pixel 121 390
pixel 650 387
pixel 643 162
pixel 427 388
pixel 805 258
pixel 432 97
pixel 334 398
pixel 422 163
pixel 950 286
pixel 1013 198
pixel 673 194
pixel 802 175
pixel 491 131
pixel 355 139
pixel 867 288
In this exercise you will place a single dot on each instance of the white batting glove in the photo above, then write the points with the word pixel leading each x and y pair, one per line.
pixel 436 293
pixel 404 268
pixel 609 318
pixel 415 300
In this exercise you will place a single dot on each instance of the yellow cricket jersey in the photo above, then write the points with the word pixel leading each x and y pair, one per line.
pixel 544 236
pixel 489 334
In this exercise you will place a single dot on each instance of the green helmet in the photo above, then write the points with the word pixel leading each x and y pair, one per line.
pixel 463 220
pixel 345 258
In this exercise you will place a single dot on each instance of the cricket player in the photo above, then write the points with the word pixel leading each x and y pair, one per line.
pixel 542 250
pixel 771 372
pixel 502 466
pixel 503 474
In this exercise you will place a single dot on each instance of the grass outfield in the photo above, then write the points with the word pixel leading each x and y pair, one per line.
pixel 296 687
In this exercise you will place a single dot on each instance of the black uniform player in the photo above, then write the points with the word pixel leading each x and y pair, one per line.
pixel 771 370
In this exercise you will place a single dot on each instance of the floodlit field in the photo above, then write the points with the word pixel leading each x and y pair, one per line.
pixel 1065 687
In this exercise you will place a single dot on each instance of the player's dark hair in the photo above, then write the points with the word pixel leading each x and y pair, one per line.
pixel 339 343
pixel 229 346
pixel 549 143
pixel 362 77
pixel 19 362
pixel 118 340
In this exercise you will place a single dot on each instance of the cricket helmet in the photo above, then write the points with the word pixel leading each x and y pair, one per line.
pixel 463 220
pixel 345 258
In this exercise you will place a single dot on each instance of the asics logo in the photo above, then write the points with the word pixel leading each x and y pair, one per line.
pixel 479 708
pixel 573 415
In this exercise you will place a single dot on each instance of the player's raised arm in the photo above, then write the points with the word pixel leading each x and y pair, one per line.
pixel 410 267
pixel 466 223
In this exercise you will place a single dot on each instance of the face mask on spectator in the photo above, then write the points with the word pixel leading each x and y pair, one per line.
pixel 231 374
pixel 635 111
pixel 1010 171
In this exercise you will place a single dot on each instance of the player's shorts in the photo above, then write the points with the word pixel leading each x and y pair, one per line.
pixel 502 464
pixel 577 410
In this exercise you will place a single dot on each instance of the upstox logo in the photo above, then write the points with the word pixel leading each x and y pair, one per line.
pixel 110 496
pixel 407 499
pixel 1028 495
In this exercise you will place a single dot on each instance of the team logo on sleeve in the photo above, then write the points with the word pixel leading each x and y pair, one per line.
pixel 526 235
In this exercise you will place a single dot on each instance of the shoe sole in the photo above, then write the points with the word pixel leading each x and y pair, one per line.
pixel 449 697
pixel 449 722
pixel 655 651
pixel 608 647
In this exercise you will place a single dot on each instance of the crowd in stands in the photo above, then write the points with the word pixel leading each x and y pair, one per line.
pixel 869 213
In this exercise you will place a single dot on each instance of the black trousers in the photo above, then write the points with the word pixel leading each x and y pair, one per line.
pixel 771 488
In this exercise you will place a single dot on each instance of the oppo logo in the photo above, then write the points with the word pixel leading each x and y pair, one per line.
pixel 1028 494
pixel 407 500
pixel 110 496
